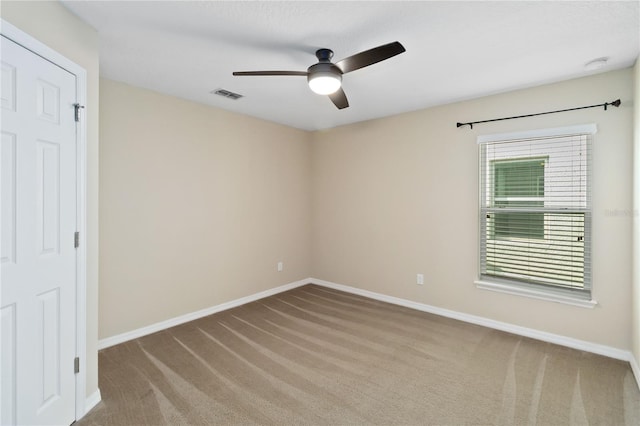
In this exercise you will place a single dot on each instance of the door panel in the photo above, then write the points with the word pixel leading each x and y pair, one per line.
pixel 38 190
pixel 8 386
pixel 48 192
pixel 8 191
pixel 8 87
pixel 48 348
pixel 48 95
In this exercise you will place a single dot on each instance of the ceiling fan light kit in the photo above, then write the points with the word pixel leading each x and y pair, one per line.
pixel 325 77
pixel 324 83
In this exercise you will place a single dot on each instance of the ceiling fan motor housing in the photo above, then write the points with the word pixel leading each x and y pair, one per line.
pixel 324 68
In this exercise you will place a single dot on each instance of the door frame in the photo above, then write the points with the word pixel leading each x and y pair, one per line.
pixel 30 43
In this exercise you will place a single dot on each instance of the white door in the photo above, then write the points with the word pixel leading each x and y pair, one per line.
pixel 38 259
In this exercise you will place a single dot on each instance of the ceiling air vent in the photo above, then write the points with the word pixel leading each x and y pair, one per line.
pixel 227 94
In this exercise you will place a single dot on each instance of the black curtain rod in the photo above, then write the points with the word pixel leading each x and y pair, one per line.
pixel 615 103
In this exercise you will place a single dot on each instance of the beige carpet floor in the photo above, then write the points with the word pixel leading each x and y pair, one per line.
pixel 316 356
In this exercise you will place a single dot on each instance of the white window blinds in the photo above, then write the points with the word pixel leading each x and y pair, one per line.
pixel 535 209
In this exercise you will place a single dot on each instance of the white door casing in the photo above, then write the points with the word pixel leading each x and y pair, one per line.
pixel 39 216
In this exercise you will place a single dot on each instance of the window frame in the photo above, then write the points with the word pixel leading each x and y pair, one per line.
pixel 583 297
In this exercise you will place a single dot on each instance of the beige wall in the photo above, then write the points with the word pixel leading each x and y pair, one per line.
pixel 197 206
pixel 635 338
pixel 399 196
pixel 53 25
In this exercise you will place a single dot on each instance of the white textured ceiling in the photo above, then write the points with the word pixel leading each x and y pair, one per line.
pixel 455 50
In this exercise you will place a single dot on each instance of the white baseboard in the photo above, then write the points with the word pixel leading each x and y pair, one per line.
pixel 91 401
pixel 582 345
pixel 159 326
pixel 635 368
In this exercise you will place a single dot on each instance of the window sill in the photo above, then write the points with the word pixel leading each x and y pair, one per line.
pixel 535 294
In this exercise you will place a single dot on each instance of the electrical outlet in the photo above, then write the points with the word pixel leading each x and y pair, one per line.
pixel 280 266
pixel 420 279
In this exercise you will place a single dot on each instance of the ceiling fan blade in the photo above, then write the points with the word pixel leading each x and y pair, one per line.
pixel 370 57
pixel 300 73
pixel 339 99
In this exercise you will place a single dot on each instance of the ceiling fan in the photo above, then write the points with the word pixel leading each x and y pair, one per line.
pixel 325 77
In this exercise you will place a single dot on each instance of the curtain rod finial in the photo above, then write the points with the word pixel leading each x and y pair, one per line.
pixel 616 103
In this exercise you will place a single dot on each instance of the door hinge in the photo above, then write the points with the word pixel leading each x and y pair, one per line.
pixel 76 365
pixel 76 239
pixel 77 111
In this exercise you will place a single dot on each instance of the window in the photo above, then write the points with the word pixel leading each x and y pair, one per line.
pixel 535 211
pixel 518 183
